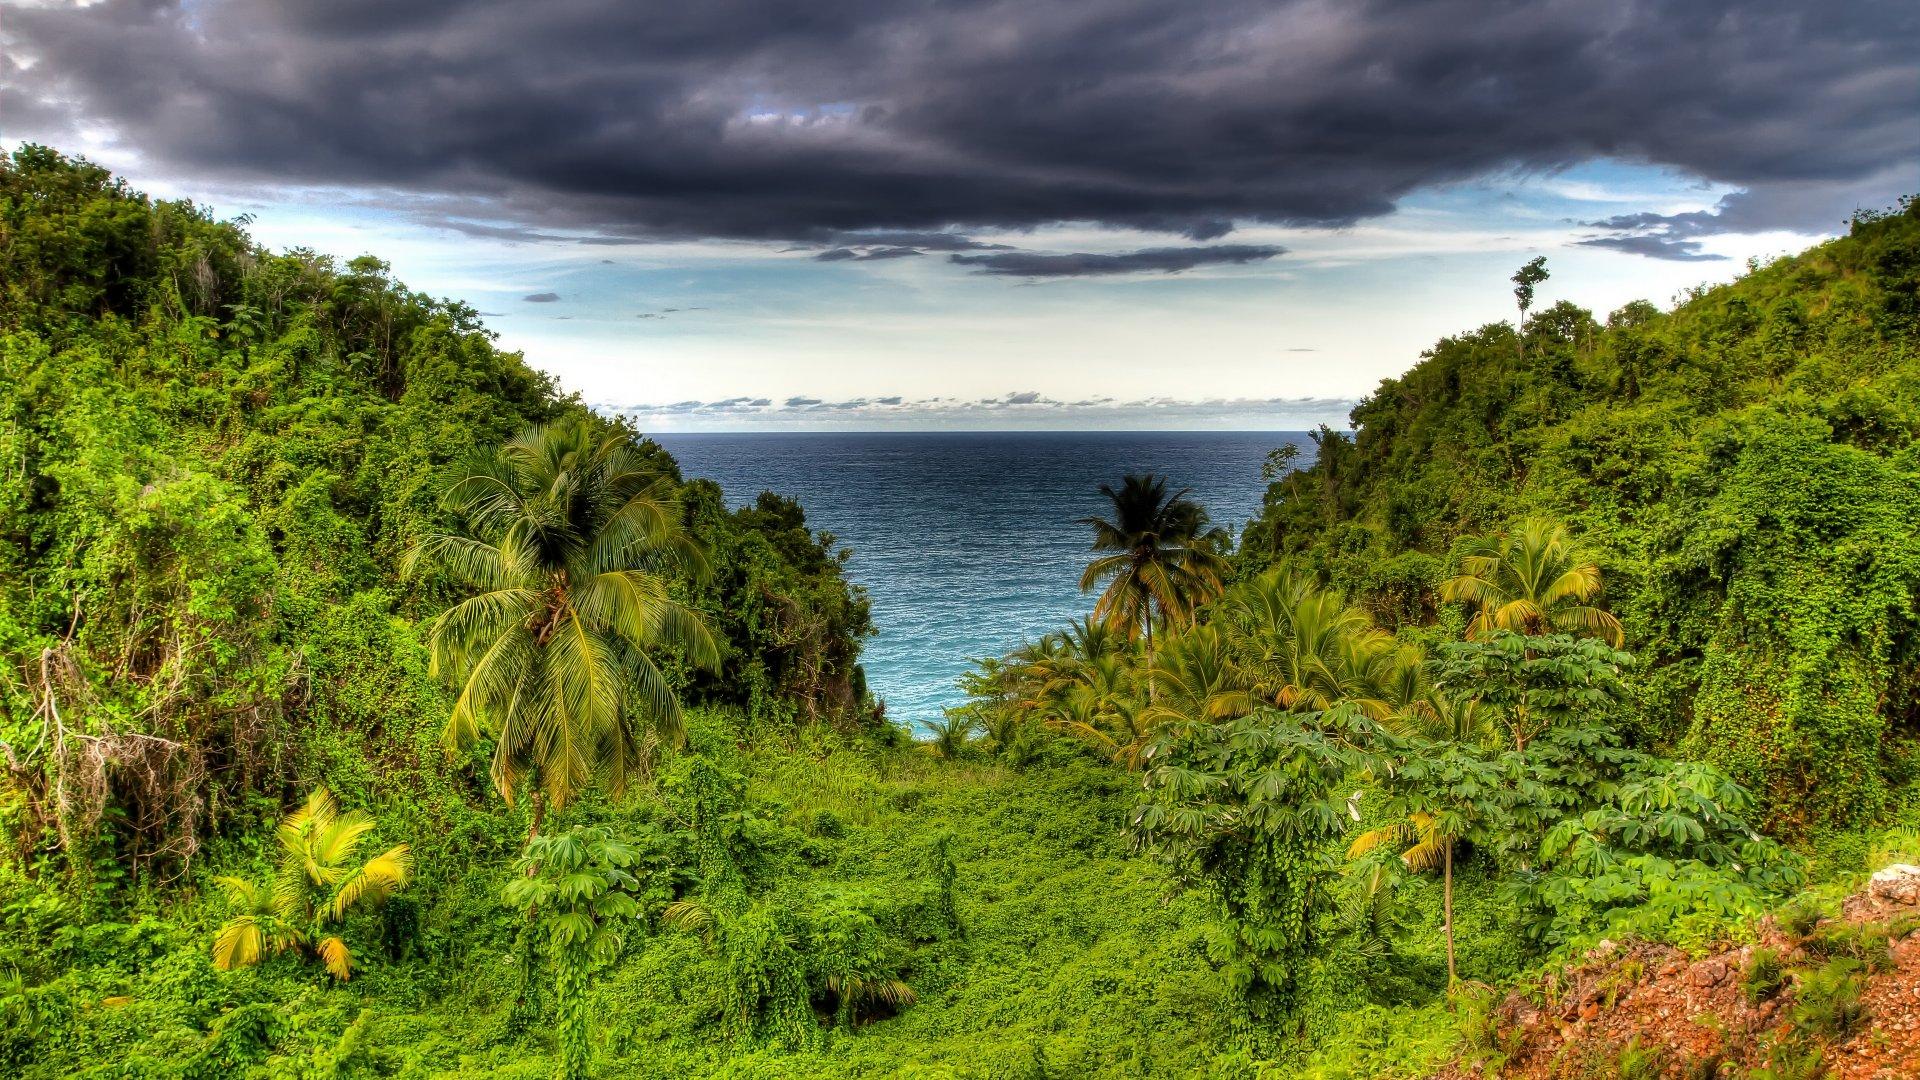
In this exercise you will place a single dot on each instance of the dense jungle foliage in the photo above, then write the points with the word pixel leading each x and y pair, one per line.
pixel 370 708
pixel 1744 467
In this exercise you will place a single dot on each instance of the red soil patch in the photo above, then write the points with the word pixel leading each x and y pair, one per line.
pixel 1575 1025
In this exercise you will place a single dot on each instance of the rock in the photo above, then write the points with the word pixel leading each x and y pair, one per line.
pixel 1602 950
pixel 1898 884
pixel 1710 973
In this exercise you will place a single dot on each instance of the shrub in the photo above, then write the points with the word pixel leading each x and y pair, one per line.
pixel 1829 999
pixel 1765 975
pixel 1791 1060
pixel 1638 1061
pixel 1798 918
pixel 1868 944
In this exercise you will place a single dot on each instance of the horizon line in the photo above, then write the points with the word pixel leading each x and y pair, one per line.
pixel 978 431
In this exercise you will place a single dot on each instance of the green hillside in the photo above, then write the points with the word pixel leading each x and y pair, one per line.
pixel 231 533
pixel 1745 464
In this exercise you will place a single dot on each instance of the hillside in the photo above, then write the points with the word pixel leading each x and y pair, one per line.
pixel 1783 1003
pixel 1289 830
pixel 1746 466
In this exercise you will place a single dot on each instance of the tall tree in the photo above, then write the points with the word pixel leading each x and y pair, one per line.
pixel 577 884
pixel 1524 279
pixel 1251 810
pixel 1439 793
pixel 570 536
pixel 1159 557
pixel 1533 580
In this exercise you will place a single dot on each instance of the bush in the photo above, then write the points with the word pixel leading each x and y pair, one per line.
pixel 1828 999
pixel 1797 919
pixel 1765 975
pixel 1867 944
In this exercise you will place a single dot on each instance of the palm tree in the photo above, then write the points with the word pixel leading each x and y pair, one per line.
pixel 1116 727
pixel 1306 648
pixel 952 733
pixel 1424 845
pixel 570 537
pixel 1194 679
pixel 1090 639
pixel 1161 558
pixel 1533 580
pixel 317 886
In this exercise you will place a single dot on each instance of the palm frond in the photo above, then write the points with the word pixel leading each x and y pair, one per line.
pixel 337 957
pixel 239 944
pixel 372 882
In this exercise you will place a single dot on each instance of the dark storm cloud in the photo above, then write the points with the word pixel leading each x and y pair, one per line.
pixel 1809 206
pixel 918 241
pixel 1081 264
pixel 1654 247
pixel 841 254
pixel 541 297
pixel 760 120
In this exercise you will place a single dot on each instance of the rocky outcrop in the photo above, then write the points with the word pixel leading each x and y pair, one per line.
pixel 1897 884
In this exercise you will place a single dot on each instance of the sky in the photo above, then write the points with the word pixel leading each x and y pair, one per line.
pixel 741 215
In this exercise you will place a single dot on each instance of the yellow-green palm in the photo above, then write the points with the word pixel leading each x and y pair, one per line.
pixel 317 885
pixel 571 537
pixel 1113 724
pixel 1194 679
pixel 1531 579
pixel 1422 847
pixel 1306 648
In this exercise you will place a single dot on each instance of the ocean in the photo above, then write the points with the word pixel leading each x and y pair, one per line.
pixel 966 541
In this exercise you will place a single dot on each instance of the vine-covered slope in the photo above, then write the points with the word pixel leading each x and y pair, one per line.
pixel 1749 466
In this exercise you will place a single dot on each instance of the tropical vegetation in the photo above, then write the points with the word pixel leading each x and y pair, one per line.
pixel 1590 629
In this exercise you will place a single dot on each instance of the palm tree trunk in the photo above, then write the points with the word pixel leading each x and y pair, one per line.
pixel 1446 905
pixel 1153 691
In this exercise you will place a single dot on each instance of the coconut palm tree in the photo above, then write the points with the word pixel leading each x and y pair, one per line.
pixel 1306 648
pixel 1194 679
pixel 317 886
pixel 1160 558
pixel 1533 580
pixel 570 537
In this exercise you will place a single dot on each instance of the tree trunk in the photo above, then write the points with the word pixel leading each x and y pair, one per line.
pixel 1153 690
pixel 1446 904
